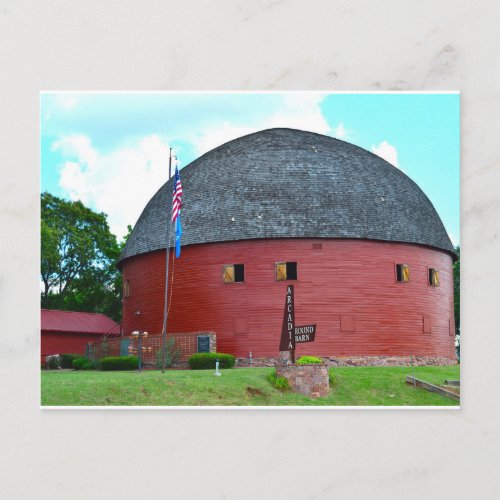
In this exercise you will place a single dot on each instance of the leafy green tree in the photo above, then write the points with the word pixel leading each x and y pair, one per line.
pixel 456 290
pixel 78 259
pixel 126 237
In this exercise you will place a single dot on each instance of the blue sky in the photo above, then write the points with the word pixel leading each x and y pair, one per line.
pixel 111 149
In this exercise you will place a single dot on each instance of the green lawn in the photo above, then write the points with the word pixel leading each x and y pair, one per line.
pixel 354 386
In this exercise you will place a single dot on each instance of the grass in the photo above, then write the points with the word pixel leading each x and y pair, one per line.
pixel 354 386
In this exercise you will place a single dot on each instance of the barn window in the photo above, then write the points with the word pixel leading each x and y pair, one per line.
pixel 126 288
pixel 286 271
pixel 234 273
pixel 433 277
pixel 402 273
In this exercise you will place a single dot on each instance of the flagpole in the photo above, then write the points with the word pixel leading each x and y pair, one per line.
pixel 167 252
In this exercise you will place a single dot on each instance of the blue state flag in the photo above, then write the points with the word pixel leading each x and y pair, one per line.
pixel 178 234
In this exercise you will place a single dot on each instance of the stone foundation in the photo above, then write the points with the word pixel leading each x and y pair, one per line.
pixel 360 361
pixel 310 380
pixel 257 362
pixel 389 361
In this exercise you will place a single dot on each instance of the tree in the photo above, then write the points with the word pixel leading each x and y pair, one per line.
pixel 78 259
pixel 456 290
pixel 126 237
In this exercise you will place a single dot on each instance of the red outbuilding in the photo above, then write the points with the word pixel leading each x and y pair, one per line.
pixel 68 331
pixel 368 255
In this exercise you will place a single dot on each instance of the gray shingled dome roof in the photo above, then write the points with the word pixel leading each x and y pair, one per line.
pixel 283 183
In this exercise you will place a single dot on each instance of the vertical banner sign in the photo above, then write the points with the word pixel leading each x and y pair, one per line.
pixel 291 334
pixel 287 342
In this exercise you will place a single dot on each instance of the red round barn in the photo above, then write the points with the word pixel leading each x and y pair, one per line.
pixel 369 258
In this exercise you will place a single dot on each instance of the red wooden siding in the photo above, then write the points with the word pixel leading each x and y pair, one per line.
pixel 349 279
pixel 62 343
pixel 346 322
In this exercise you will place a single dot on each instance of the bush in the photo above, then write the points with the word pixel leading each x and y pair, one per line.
pixel 309 360
pixel 331 379
pixel 206 360
pixel 52 362
pixel 83 364
pixel 172 354
pixel 280 383
pixel 119 363
pixel 77 364
pixel 67 359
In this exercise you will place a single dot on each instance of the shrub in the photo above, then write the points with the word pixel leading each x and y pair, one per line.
pixel 67 359
pixel 331 379
pixel 280 383
pixel 172 354
pixel 84 364
pixel 206 360
pixel 77 364
pixel 119 363
pixel 52 362
pixel 104 347
pixel 309 360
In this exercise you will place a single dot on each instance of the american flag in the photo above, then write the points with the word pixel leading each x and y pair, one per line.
pixel 177 199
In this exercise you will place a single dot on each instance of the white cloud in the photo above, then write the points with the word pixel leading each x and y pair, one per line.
pixel 66 101
pixel 73 180
pixel 118 183
pixel 79 146
pixel 298 110
pixel 454 240
pixel 217 135
pixel 388 152
pixel 340 132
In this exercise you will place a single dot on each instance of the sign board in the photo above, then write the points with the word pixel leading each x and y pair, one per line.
pixel 291 334
pixel 287 342
pixel 305 333
pixel 203 343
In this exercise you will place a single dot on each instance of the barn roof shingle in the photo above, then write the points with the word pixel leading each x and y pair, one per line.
pixel 283 183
